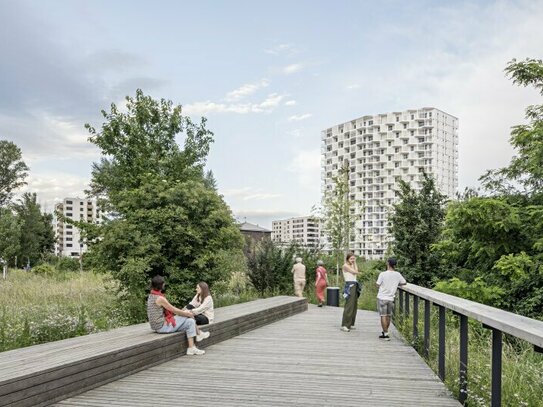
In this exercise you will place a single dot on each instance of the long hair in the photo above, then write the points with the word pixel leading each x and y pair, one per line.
pixel 205 291
pixel 349 255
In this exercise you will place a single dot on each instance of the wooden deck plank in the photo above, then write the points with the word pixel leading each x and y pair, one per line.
pixel 303 360
pixel 53 375
pixel 60 353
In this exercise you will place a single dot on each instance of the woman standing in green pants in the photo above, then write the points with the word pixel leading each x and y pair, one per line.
pixel 351 292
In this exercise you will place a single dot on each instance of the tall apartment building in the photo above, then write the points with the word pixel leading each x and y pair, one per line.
pixel 305 230
pixel 382 149
pixel 68 238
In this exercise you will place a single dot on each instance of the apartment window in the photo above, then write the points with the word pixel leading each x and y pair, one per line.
pixel 397 118
pixel 69 232
pixel 81 209
pixel 68 208
pixel 69 214
pixel 405 125
pixel 68 226
pixel 390 127
pixel 412 117
pixel 69 202
pixel 69 245
pixel 81 203
pixel 69 239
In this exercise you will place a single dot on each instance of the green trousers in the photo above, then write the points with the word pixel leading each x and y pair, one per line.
pixel 351 306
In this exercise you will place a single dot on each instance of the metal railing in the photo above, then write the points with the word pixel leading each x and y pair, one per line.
pixel 497 320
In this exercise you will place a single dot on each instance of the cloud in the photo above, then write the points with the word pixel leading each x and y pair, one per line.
pixel 307 167
pixel 245 90
pixel 44 136
pixel 249 194
pixel 280 49
pixel 267 105
pixel 353 86
pixel 53 187
pixel 290 103
pixel 299 117
pixel 292 68
pixel 114 60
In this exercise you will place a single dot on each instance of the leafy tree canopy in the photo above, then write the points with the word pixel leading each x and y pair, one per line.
pixel 13 170
pixel 165 216
pixel 416 226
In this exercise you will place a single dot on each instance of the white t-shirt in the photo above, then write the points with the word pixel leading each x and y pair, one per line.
pixel 388 282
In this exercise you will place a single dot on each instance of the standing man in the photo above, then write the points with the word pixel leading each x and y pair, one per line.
pixel 298 273
pixel 388 282
pixel 351 292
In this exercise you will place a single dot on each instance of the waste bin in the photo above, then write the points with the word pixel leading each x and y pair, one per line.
pixel 332 296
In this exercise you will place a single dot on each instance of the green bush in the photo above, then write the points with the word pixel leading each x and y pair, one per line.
pixel 44 269
pixel 67 264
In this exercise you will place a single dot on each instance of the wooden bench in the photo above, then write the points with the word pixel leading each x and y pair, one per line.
pixel 43 374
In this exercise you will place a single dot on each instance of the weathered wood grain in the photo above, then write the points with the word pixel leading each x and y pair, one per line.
pixel 40 375
pixel 303 360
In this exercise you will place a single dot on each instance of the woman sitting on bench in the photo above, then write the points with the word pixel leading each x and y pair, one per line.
pixel 201 306
pixel 164 318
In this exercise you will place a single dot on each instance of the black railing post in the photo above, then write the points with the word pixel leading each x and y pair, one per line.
pixel 496 397
pixel 400 301
pixel 426 328
pixel 441 352
pixel 463 395
pixel 415 318
pixel 406 303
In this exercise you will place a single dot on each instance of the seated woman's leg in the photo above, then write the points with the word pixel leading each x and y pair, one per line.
pixel 183 324
pixel 201 319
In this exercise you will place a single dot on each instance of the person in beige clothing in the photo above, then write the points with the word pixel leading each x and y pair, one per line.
pixel 298 273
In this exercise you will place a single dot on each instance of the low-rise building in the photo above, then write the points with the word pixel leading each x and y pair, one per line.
pixel 305 230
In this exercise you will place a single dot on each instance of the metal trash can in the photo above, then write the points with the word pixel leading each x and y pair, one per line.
pixel 332 296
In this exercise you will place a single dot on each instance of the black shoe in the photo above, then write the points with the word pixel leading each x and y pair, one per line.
pixel 320 305
pixel 384 336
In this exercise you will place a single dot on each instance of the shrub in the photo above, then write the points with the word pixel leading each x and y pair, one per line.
pixel 44 269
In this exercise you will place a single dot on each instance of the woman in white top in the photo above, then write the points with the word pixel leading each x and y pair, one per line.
pixel 201 305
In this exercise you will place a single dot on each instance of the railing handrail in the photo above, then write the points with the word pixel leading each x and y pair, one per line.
pixel 528 329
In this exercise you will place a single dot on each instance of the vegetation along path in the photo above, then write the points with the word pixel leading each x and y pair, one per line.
pixel 303 360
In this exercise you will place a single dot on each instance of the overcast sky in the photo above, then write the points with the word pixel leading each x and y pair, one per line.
pixel 268 76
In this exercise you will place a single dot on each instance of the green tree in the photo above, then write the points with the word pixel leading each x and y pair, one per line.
pixel 165 215
pixel 339 214
pixel 526 167
pixel 270 266
pixel 10 232
pixel 37 237
pixel 13 170
pixel 416 225
pixel 493 244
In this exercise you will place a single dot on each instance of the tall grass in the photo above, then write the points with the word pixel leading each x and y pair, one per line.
pixel 522 368
pixel 38 308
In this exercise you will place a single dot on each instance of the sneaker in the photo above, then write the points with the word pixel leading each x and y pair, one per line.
pixel 344 329
pixel 353 328
pixel 195 351
pixel 384 336
pixel 320 305
pixel 202 336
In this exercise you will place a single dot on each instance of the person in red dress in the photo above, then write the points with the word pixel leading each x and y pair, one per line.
pixel 321 282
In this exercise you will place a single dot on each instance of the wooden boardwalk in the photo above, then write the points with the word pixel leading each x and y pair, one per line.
pixel 303 360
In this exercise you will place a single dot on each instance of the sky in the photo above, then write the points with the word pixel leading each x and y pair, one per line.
pixel 269 77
